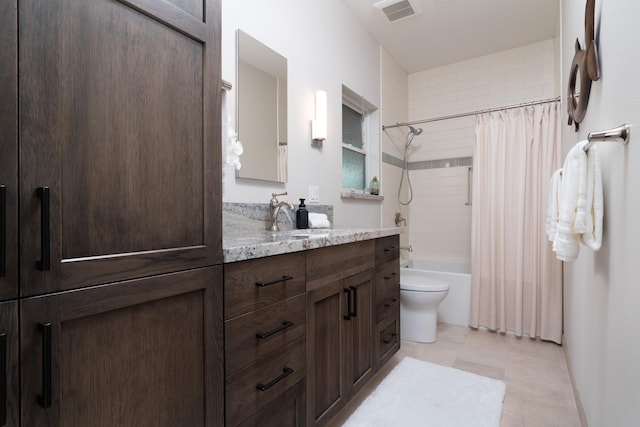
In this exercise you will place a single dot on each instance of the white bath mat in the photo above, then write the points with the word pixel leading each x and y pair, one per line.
pixel 418 393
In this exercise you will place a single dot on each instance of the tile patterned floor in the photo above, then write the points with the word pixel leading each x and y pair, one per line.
pixel 539 392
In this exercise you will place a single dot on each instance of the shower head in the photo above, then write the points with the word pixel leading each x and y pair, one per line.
pixel 412 133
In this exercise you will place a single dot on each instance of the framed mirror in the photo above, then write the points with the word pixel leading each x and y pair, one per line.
pixel 261 116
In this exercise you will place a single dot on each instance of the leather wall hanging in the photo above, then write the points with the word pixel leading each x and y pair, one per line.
pixel 585 68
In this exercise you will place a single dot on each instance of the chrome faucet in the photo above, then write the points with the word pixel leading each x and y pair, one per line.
pixel 274 209
pixel 400 219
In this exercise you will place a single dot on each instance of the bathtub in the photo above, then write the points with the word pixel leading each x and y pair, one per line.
pixel 455 307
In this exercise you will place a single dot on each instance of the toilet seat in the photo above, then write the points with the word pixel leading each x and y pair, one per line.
pixel 428 285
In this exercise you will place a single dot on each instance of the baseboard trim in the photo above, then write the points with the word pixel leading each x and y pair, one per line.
pixel 576 392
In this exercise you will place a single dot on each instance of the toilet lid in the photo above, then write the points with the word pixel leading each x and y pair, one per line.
pixel 410 282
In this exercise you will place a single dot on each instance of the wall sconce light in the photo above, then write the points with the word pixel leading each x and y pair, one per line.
pixel 319 125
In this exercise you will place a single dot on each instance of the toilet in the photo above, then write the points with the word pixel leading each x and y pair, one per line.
pixel 420 297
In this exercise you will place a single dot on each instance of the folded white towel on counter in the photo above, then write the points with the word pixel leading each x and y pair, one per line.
pixel 554 195
pixel 592 235
pixel 318 220
pixel 572 204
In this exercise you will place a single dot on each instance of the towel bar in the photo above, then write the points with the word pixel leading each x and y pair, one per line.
pixel 622 132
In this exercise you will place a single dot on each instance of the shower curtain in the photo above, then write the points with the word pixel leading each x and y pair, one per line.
pixel 516 279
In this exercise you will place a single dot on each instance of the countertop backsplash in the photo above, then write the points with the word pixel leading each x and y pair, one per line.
pixel 255 216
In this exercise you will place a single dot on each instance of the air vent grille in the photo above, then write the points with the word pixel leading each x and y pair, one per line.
pixel 398 11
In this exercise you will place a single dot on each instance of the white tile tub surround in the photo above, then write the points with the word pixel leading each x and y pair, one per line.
pixel 439 222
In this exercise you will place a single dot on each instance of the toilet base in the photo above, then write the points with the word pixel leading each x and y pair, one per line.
pixel 417 326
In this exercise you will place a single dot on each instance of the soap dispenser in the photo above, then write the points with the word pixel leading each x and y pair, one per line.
pixel 302 215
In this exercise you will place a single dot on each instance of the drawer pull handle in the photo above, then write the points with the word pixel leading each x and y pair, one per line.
pixel 3 379
pixel 391 339
pixel 273 282
pixel 3 232
pixel 392 248
pixel 392 276
pixel 44 399
pixel 393 301
pixel 286 324
pixel 45 231
pixel 285 373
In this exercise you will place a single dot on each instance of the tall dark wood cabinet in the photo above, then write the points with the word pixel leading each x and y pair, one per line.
pixel 119 112
pixel 9 372
pixel 110 169
pixel 8 150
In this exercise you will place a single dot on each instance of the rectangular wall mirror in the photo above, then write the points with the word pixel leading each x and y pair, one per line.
pixel 261 116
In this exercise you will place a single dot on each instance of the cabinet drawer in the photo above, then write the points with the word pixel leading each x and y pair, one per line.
pixel 264 382
pixel 387 305
pixel 388 338
pixel 288 410
pixel 387 249
pixel 253 335
pixel 337 262
pixel 257 283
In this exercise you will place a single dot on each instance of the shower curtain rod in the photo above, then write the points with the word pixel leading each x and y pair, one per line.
pixel 472 113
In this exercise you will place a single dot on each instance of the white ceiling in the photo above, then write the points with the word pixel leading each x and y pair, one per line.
pixel 450 31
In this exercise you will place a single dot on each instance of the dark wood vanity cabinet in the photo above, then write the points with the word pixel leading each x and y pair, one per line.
pixel 340 285
pixel 265 341
pixel 110 212
pixel 387 301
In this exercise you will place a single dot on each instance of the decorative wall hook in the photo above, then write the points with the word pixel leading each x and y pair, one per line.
pixel 585 68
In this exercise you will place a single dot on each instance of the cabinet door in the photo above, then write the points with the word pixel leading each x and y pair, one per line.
pixel 119 140
pixel 8 150
pixel 9 370
pixel 326 368
pixel 145 352
pixel 360 330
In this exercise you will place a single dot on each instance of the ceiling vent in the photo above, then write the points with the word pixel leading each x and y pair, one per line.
pixel 397 10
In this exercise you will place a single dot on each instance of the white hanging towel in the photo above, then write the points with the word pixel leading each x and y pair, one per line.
pixel 572 204
pixel 592 235
pixel 554 195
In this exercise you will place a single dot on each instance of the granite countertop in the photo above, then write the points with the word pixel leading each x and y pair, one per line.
pixel 240 245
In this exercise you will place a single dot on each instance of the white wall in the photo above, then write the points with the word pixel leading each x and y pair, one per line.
pixel 602 289
pixel 394 82
pixel 440 223
pixel 326 47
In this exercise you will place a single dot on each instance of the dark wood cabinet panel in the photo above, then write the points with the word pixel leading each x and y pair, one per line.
pixel 326 340
pixel 253 388
pixel 359 353
pixel 9 365
pixel 387 338
pixel 8 150
pixel 256 334
pixel 288 410
pixel 119 118
pixel 257 283
pixel 340 326
pixel 143 352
